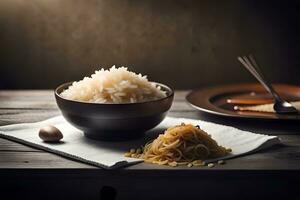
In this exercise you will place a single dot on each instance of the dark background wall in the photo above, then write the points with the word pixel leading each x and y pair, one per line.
pixel 185 44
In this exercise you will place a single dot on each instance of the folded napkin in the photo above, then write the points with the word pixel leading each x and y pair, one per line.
pixel 111 154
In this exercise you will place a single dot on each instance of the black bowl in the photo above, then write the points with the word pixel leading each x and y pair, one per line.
pixel 114 121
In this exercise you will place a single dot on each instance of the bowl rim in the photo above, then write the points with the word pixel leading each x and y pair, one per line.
pixel 63 85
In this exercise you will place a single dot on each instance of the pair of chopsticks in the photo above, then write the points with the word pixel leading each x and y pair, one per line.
pixel 254 69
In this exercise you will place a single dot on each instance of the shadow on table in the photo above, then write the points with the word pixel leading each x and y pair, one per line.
pixel 125 145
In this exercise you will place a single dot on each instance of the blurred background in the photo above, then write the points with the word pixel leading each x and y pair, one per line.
pixel 183 43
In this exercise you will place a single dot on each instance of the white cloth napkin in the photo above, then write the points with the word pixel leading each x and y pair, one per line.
pixel 111 154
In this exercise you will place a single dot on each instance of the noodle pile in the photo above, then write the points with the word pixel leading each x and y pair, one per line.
pixel 184 144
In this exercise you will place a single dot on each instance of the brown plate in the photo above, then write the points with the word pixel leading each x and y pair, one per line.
pixel 214 100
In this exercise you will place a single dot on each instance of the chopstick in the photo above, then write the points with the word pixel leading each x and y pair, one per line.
pixel 246 63
pixel 249 101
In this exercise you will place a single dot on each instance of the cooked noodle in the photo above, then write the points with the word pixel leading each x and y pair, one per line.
pixel 181 145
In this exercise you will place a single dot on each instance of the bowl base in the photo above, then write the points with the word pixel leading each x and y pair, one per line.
pixel 113 135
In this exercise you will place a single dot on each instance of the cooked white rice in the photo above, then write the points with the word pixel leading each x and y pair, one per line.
pixel 116 85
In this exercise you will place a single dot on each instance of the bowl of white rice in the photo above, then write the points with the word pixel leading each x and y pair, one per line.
pixel 114 104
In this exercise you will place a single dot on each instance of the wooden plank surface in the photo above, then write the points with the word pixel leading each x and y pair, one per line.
pixel 30 106
pixel 28 173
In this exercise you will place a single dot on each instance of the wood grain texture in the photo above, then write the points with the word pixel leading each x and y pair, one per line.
pixel 31 106
pixel 28 173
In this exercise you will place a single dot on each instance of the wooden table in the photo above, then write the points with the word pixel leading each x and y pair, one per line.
pixel 34 174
